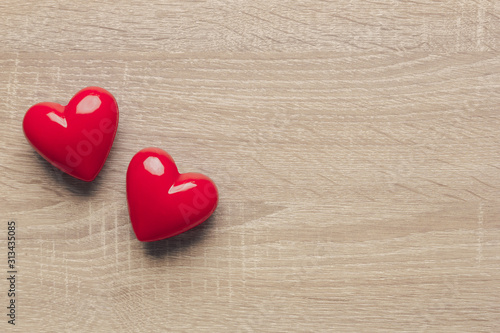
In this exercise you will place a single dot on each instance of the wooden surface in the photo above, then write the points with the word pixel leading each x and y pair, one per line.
pixel 355 144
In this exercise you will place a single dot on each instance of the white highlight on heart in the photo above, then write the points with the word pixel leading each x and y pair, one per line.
pixel 58 119
pixel 88 105
pixel 181 187
pixel 154 166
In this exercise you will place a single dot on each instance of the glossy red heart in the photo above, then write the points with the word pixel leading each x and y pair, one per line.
pixel 163 203
pixel 75 138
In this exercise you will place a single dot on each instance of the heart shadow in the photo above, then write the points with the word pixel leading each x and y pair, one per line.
pixel 75 185
pixel 72 184
pixel 175 245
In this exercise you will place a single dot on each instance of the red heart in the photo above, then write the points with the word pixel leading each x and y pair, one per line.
pixel 163 203
pixel 75 138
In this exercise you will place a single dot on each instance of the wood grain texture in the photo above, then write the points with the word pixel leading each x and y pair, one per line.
pixel 355 144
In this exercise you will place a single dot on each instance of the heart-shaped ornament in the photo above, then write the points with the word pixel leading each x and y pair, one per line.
pixel 75 138
pixel 162 202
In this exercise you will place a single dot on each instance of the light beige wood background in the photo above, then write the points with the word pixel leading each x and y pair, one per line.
pixel 355 144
